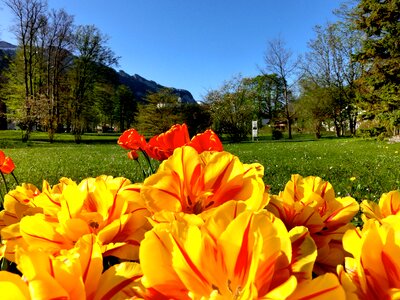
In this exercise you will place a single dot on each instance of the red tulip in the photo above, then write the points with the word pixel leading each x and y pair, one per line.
pixel 133 155
pixel 161 146
pixel 132 140
pixel 206 141
pixel 6 164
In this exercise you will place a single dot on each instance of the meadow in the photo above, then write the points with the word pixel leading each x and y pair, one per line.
pixel 361 168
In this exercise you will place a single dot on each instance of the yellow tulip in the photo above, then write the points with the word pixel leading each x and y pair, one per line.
pixel 192 183
pixel 389 204
pixel 72 274
pixel 311 202
pixel 109 207
pixel 122 281
pixel 27 200
pixel 234 253
pixel 13 287
pixel 373 269
pixel 18 203
pixel 326 286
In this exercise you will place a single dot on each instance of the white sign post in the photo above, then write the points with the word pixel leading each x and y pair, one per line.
pixel 254 130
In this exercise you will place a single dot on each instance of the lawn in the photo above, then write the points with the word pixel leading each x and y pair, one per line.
pixel 362 168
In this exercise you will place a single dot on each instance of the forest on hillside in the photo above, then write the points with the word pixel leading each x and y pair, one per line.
pixel 61 79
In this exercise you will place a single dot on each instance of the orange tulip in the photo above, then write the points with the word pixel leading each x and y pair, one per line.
pixel 311 202
pixel 206 141
pixel 132 140
pixel 161 146
pixel 6 164
pixel 190 182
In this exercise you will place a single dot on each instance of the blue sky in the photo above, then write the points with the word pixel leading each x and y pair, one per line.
pixel 194 45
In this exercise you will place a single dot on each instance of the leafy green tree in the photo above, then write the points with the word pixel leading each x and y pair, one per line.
pixel 29 19
pixel 314 107
pixel 125 107
pixel 159 113
pixel 91 51
pixel 197 117
pixel 380 53
pixel 232 109
pixel 329 65
pixel 266 90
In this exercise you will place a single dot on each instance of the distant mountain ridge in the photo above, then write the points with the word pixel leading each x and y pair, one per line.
pixel 7 46
pixel 139 85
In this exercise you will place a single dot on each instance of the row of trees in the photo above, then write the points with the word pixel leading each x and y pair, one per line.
pixel 61 79
pixel 350 74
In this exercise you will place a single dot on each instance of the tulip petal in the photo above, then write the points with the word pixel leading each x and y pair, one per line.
pixel 121 281
pixel 326 286
pixel 91 261
pixel 13 287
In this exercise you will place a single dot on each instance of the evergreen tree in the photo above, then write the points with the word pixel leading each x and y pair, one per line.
pixel 160 112
pixel 380 53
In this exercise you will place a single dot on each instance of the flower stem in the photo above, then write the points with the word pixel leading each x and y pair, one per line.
pixel 148 162
pixel 5 182
pixel 143 172
pixel 15 178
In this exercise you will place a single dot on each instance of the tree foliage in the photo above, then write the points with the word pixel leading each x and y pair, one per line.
pixel 266 90
pixel 329 65
pixel 314 106
pixel 232 109
pixel 29 20
pixel 380 53
pixel 91 53
pixel 159 113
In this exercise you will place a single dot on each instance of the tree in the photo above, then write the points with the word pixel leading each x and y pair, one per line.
pixel 280 61
pixel 91 51
pixel 160 112
pixel 29 18
pixel 232 109
pixel 380 53
pixel 125 107
pixel 266 91
pixel 57 46
pixel 329 65
pixel 196 116
pixel 314 106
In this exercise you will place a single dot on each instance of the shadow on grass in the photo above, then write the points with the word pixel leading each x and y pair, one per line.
pixel 296 138
pixel 40 140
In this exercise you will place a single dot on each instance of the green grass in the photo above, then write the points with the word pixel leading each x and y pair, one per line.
pixel 375 165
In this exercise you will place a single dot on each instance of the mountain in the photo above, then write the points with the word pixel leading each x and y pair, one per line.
pixel 139 86
pixel 7 46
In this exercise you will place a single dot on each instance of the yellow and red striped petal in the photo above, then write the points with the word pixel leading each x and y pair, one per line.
pixel 326 286
pixel 122 281
pixel 91 262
